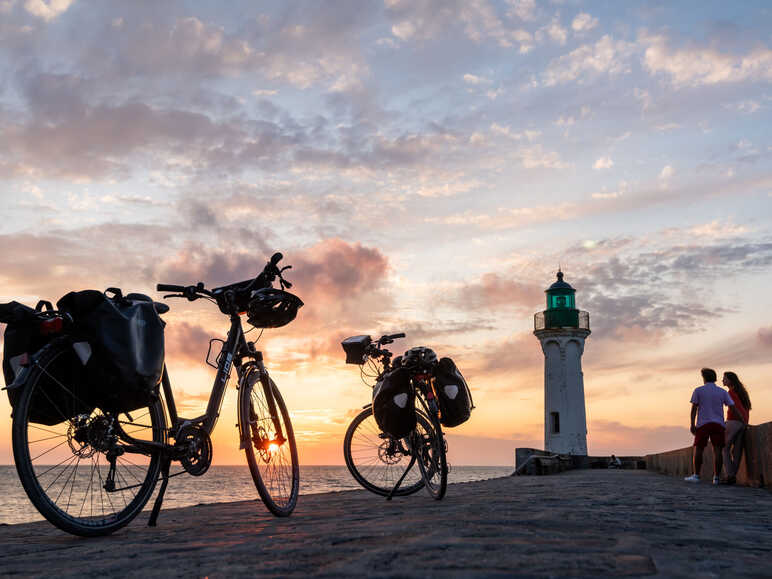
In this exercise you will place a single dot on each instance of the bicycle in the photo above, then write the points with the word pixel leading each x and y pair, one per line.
pixel 375 458
pixel 93 472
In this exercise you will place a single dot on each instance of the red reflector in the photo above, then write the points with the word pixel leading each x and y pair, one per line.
pixel 51 326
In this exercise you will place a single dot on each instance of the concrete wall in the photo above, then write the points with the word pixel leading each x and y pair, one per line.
pixel 755 467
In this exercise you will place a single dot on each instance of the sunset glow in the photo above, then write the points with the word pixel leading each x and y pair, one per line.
pixel 425 166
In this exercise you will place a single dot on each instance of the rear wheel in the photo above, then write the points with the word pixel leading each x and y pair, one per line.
pixel 269 443
pixel 61 446
pixel 376 460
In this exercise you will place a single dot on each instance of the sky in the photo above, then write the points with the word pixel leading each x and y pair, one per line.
pixel 425 166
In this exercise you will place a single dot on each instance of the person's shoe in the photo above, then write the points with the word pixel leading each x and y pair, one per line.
pixel 695 478
pixel 730 480
pixel 715 480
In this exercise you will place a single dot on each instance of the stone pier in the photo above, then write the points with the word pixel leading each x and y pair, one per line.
pixel 755 467
pixel 580 523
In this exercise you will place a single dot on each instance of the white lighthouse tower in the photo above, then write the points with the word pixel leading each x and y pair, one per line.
pixel 562 329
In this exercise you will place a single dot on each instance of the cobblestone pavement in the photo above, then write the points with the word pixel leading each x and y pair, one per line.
pixel 576 524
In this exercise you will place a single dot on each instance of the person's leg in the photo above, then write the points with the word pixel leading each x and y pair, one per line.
pixel 698 459
pixel 727 447
pixel 718 459
pixel 734 451
pixel 717 438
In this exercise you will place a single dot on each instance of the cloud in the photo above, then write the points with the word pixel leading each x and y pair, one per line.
pixel 525 10
pixel 494 292
pixel 554 31
pixel 477 20
pixel 765 336
pixel 698 66
pixel 613 437
pixel 188 343
pixel 603 163
pixel 718 230
pixel 506 218
pixel 583 22
pixel 606 57
pixel 47 10
pixel 472 79
pixel 667 172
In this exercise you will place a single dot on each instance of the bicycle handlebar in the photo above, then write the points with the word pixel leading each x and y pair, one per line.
pixel 192 292
pixel 165 287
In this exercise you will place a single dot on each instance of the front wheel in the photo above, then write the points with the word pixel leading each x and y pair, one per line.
pixel 269 443
pixel 431 457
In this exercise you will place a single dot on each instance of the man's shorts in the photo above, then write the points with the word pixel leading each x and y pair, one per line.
pixel 712 430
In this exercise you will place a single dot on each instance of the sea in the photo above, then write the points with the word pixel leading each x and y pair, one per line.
pixel 223 484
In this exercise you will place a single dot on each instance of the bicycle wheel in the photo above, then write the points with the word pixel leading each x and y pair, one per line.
pixel 376 460
pixel 63 467
pixel 272 456
pixel 432 462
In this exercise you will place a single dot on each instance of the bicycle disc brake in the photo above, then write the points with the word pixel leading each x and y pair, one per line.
pixel 195 449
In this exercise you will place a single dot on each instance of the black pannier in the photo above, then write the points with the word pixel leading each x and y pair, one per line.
pixel 355 348
pixel 24 337
pixel 394 403
pixel 453 394
pixel 127 340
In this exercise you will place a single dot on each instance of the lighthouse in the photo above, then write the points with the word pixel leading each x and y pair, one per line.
pixel 562 330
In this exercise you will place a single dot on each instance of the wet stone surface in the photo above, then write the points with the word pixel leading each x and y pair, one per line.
pixel 576 524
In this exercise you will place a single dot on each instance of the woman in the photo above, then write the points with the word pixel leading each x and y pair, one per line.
pixel 736 421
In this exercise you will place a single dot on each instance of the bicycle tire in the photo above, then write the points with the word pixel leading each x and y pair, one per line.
pixel 47 373
pixel 278 494
pixel 434 467
pixel 374 459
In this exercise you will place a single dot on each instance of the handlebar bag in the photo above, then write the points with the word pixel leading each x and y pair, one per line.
pixel 126 336
pixel 394 403
pixel 21 341
pixel 356 349
pixel 453 394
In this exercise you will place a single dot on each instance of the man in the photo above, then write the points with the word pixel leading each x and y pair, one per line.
pixel 708 403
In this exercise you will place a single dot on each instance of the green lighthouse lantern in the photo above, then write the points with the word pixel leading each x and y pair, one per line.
pixel 561 309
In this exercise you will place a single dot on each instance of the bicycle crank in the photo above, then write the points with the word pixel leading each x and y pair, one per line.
pixel 194 447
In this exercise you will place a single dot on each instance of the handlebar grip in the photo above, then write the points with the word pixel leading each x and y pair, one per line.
pixel 276 258
pixel 395 336
pixel 165 287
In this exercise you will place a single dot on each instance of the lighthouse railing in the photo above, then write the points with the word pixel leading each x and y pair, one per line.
pixel 558 318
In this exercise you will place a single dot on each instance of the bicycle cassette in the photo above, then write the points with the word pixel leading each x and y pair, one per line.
pixel 195 449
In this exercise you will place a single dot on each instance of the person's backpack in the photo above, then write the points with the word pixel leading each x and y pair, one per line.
pixel 24 337
pixel 394 403
pixel 126 336
pixel 453 394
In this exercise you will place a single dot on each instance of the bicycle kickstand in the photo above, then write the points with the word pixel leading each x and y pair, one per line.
pixel 160 498
pixel 404 474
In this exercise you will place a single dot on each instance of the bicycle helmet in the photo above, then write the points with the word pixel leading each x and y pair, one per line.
pixel 272 308
pixel 419 357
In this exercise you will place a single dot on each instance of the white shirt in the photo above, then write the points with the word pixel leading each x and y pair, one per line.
pixel 710 399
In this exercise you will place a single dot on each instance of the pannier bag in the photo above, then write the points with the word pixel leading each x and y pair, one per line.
pixel 394 403
pixel 24 338
pixel 355 348
pixel 127 341
pixel 453 394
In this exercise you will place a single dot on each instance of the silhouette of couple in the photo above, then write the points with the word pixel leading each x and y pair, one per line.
pixel 708 403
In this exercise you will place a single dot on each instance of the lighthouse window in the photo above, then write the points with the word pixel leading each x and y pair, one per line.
pixel 561 301
pixel 555 422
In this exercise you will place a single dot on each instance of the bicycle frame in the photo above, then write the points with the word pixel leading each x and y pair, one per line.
pixel 233 352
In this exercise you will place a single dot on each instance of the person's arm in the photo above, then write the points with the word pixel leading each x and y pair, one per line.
pixel 693 428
